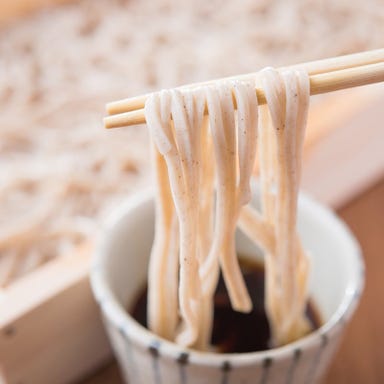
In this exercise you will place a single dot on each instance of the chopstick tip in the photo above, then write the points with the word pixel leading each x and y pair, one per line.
pixel 109 108
pixel 108 123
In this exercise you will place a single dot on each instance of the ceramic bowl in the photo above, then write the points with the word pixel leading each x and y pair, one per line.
pixel 119 272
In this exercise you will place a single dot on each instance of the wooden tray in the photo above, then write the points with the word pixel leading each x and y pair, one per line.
pixel 50 329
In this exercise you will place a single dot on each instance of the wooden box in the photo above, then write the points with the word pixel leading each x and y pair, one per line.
pixel 50 329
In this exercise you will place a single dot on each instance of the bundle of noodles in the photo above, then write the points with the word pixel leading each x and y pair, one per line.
pixel 203 170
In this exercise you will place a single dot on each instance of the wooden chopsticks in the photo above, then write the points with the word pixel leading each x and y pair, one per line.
pixel 326 75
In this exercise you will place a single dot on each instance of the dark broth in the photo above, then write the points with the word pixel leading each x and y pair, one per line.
pixel 235 332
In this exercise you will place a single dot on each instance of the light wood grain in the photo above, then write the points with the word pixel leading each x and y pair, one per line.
pixel 345 154
pixel 50 329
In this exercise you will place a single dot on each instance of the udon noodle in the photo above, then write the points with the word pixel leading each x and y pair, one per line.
pixel 205 144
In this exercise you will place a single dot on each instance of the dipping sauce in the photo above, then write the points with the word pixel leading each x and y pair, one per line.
pixel 236 332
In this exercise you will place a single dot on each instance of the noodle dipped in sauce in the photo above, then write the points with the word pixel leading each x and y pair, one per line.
pixel 232 331
pixel 197 240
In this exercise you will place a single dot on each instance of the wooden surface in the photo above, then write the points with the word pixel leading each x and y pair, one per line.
pixel 343 154
pixel 50 317
pixel 360 358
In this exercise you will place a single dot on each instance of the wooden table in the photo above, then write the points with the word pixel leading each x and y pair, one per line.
pixel 360 358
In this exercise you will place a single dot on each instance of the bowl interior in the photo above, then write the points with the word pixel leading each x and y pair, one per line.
pixel 336 268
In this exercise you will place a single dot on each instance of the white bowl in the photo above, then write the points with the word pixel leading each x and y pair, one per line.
pixel 119 272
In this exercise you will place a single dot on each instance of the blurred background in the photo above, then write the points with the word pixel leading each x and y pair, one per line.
pixel 61 61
